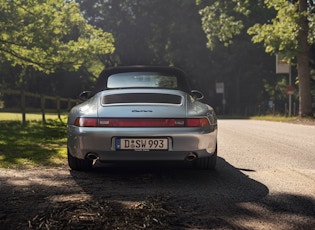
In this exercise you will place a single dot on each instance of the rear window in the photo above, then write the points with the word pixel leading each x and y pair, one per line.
pixel 142 79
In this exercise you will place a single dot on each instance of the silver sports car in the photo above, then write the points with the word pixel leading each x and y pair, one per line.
pixel 142 113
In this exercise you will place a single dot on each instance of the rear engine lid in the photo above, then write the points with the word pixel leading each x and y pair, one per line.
pixel 142 103
pixel 142 98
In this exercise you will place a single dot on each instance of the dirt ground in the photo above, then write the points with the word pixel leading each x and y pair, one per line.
pixel 123 197
pixel 105 198
pixel 145 197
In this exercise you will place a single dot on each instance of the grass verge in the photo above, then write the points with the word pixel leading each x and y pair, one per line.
pixel 4 116
pixel 295 120
pixel 32 145
pixel 274 118
pixel 277 118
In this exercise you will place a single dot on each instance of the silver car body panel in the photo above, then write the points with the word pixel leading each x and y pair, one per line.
pixel 141 103
pixel 182 140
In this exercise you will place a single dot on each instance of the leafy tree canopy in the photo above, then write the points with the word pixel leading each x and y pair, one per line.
pixel 280 35
pixel 289 31
pixel 221 20
pixel 49 35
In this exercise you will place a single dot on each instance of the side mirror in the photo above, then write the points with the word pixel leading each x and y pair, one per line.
pixel 85 95
pixel 197 95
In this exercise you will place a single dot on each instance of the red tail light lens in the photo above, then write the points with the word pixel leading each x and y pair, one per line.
pixel 86 122
pixel 197 122
pixel 141 122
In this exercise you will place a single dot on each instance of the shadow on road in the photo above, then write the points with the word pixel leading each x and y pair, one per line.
pixel 148 196
pixel 175 180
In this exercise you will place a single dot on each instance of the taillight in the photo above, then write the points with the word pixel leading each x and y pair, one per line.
pixel 197 122
pixel 141 122
pixel 86 122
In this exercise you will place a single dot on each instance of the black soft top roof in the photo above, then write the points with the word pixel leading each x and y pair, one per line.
pixel 101 83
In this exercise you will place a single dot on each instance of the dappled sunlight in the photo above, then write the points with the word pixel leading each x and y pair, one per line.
pixel 294 181
pixel 30 117
pixel 69 198
pixel 32 145
pixel 277 214
pixel 35 178
pixel 150 196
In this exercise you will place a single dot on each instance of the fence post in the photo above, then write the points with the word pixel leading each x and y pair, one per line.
pixel 274 109
pixel 42 106
pixel 23 106
pixel 69 104
pixel 23 103
pixel 58 107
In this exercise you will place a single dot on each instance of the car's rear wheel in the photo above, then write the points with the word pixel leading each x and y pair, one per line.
pixel 207 162
pixel 79 164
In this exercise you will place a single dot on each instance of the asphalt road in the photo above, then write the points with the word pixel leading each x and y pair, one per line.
pixel 279 159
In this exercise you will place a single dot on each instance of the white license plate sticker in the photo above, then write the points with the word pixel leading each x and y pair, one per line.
pixel 141 144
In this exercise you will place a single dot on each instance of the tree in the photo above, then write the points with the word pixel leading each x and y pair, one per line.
pixel 240 64
pixel 48 35
pixel 287 33
pixel 150 33
pixel 222 20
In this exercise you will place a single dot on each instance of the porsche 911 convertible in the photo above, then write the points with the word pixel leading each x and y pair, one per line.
pixel 142 113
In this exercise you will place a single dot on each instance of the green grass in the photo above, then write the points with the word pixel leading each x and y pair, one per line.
pixel 29 116
pixel 279 118
pixel 33 144
pixel 297 120
pixel 274 118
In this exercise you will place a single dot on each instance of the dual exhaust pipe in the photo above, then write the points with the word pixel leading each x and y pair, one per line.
pixel 189 157
pixel 92 156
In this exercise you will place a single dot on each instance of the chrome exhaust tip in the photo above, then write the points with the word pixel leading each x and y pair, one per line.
pixel 191 156
pixel 92 156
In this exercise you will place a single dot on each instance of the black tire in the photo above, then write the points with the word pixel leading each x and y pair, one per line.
pixel 79 164
pixel 207 162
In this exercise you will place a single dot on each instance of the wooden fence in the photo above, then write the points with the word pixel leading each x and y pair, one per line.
pixel 43 98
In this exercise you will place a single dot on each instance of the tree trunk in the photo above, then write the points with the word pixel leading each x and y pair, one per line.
pixel 305 97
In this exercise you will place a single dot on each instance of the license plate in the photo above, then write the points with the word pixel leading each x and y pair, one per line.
pixel 141 144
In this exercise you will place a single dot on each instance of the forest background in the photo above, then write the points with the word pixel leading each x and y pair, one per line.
pixel 58 47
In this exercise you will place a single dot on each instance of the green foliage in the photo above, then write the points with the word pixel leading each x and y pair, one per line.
pixel 281 34
pixel 49 34
pixel 220 20
pixel 276 89
pixel 290 32
pixel 32 145
pixel 311 24
pixel 148 32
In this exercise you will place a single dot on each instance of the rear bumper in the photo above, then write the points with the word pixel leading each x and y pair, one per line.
pixel 100 142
